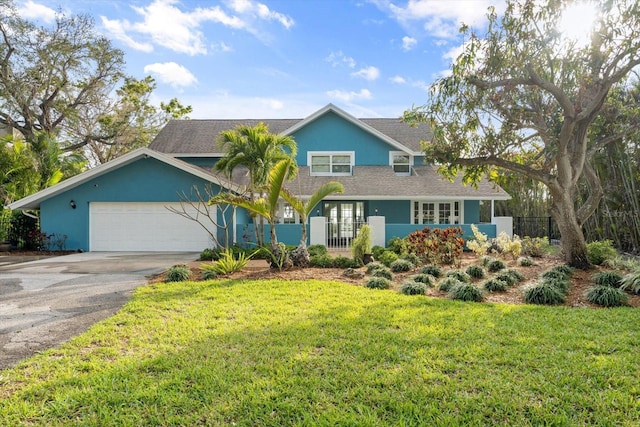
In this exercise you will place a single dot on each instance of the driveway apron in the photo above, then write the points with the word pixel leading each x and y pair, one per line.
pixel 44 303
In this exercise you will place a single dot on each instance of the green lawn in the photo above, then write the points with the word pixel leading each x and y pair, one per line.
pixel 324 353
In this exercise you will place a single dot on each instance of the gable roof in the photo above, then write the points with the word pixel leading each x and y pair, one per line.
pixel 193 138
pixel 33 201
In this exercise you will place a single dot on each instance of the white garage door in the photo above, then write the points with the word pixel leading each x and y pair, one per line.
pixel 144 227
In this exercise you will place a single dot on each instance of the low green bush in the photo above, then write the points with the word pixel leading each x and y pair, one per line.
pixel 400 265
pixel 208 274
pixel 631 282
pixel 460 275
pixel 475 272
pixel 448 283
pixel 495 285
pixel 422 278
pixel 432 270
pixel 600 251
pixel 398 245
pixel 412 258
pixel 561 285
pixel 607 278
pixel 377 251
pixel 606 296
pixel 544 293
pixel 465 292
pixel 510 277
pixel 525 262
pixel 315 250
pixel 496 265
pixel 178 273
pixel 387 257
pixel 229 262
pixel 378 283
pixel 374 266
pixel 344 262
pixel 321 261
pixel 209 254
pixel 413 288
pixel 382 272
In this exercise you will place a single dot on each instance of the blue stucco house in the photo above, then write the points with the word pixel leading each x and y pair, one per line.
pixel 147 200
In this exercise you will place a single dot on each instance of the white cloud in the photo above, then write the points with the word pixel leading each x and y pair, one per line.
pixel 221 47
pixel 118 30
pixel 339 58
pixel 171 73
pixel 262 11
pixel 408 43
pixel 368 73
pixel 398 80
pixel 31 10
pixel 349 96
pixel 443 18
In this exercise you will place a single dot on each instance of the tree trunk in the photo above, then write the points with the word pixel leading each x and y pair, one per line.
pixel 572 239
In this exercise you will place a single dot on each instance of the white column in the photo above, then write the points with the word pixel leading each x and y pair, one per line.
pixel 317 230
pixel 378 233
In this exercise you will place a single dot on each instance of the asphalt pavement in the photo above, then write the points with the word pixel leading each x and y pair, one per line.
pixel 45 302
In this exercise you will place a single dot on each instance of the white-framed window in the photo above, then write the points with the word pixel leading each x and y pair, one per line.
pixel 286 214
pixel 331 163
pixel 436 212
pixel 401 162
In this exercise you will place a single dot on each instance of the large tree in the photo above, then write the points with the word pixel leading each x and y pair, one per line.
pixel 65 79
pixel 524 87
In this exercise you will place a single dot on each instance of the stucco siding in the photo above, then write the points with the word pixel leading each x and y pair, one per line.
pixel 471 211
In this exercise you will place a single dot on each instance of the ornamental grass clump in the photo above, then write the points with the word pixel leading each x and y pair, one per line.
pixel 372 266
pixel 432 270
pixel 411 287
pixel 423 278
pixel 412 258
pixel 401 265
pixel 460 275
pixel 178 273
pixel 465 292
pixel 382 272
pixel 606 296
pixel 475 272
pixel 607 278
pixel 525 262
pixel 510 277
pixel 495 265
pixel 495 285
pixel 631 282
pixel 378 283
pixel 544 293
pixel 449 283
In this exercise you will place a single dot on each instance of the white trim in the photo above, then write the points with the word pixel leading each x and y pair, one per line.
pixel 352 119
pixel 401 153
pixel 351 154
pixel 436 208
pixel 33 201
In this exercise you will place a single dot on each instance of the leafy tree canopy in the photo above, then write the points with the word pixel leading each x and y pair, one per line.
pixel 524 97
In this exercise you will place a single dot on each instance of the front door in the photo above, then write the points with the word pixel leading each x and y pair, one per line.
pixel 344 219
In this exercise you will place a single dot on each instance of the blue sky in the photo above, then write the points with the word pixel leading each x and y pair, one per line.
pixel 282 58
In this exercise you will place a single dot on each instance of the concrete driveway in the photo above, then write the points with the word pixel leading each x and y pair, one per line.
pixel 44 303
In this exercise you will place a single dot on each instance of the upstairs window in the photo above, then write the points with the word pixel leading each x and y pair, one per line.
pixel 338 163
pixel 400 162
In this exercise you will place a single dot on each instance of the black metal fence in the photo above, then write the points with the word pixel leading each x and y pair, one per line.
pixel 543 226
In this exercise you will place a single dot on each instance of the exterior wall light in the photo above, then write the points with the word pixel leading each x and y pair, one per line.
pixel 72 204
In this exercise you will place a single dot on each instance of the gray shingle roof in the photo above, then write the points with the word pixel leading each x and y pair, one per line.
pixel 197 137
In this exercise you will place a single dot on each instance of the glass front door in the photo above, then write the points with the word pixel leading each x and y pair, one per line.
pixel 344 219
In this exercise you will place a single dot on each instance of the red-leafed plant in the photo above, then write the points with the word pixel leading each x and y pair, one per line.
pixel 437 245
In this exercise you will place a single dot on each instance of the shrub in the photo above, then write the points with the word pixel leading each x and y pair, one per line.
pixel 413 288
pixel 606 296
pixel 525 262
pixel 495 285
pixel 535 247
pixel 600 251
pixel 544 293
pixel 622 263
pixel 209 255
pixel 317 250
pixel 412 258
pixel 361 244
pixel 449 283
pixel 345 262
pixel 508 245
pixel 507 278
pixel 228 263
pixel 432 270
pixel 607 278
pixel 321 261
pixel 401 265
pixel 559 271
pixel 422 278
pixel 209 274
pixel 496 265
pixel 398 245
pixel 178 273
pixel 475 271
pixel 377 251
pixel 441 245
pixel 383 272
pixel 460 275
pixel 465 292
pixel 387 257
pixel 372 266
pixel 631 282
pixel 378 283
pixel 561 285
pixel 480 242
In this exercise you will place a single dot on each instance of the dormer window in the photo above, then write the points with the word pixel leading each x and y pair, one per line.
pixel 331 163
pixel 400 162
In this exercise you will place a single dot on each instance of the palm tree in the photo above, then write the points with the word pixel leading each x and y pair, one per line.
pixel 258 150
